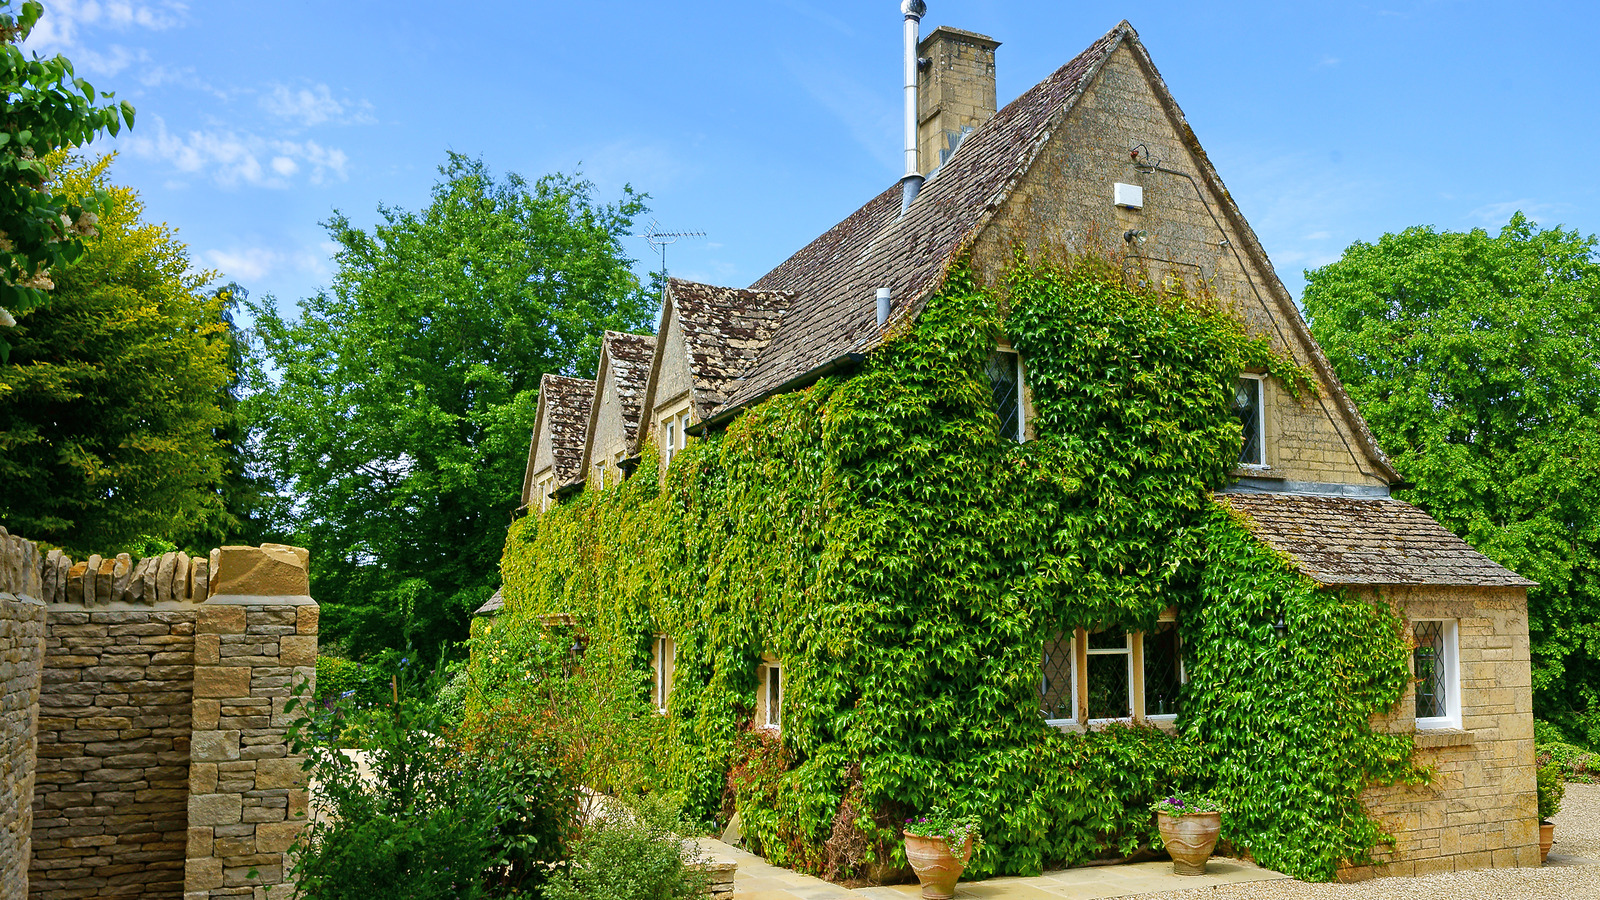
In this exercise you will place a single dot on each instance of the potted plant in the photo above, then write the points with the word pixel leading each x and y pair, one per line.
pixel 938 846
pixel 1550 789
pixel 1189 827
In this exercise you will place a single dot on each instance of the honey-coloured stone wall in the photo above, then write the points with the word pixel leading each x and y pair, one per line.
pixel 1479 811
pixel 110 800
pixel 21 662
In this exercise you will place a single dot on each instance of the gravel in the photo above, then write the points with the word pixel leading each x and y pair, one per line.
pixel 1577 839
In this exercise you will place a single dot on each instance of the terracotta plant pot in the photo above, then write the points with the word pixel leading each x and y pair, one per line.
pixel 1547 836
pixel 1190 839
pixel 937 868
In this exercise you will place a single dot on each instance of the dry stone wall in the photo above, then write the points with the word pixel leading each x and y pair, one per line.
pixel 22 624
pixel 135 767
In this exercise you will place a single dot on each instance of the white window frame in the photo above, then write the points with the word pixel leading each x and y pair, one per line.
pixel 1127 652
pixel 1072 668
pixel 771 707
pixel 1022 392
pixel 668 429
pixel 1452 677
pixel 1261 422
pixel 664 662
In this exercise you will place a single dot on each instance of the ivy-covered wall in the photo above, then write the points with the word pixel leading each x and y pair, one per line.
pixel 907 564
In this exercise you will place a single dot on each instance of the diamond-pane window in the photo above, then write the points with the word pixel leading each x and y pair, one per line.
pixel 1005 380
pixel 1108 690
pixel 1057 699
pixel 1163 671
pixel 1430 660
pixel 1247 408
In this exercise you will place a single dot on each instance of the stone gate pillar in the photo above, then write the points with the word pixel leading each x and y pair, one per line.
pixel 255 639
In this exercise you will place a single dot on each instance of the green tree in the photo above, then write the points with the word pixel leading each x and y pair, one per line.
pixel 47 108
pixel 394 413
pixel 107 429
pixel 1476 360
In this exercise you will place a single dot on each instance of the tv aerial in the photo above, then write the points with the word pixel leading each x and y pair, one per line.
pixel 661 240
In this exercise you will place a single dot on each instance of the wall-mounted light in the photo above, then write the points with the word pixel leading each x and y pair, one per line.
pixel 1135 235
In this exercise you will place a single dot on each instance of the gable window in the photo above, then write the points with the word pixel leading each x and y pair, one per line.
pixel 769 697
pixel 1248 409
pixel 1058 680
pixel 1005 381
pixel 663 662
pixel 600 476
pixel 674 437
pixel 1438 673
pixel 542 489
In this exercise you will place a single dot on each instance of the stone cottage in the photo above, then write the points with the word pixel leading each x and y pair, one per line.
pixel 1098 158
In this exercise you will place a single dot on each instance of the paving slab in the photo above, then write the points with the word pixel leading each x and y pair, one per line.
pixel 756 879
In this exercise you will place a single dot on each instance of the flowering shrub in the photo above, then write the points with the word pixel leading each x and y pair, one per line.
pixel 939 823
pixel 1183 803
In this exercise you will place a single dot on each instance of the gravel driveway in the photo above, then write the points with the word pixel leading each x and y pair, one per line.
pixel 1577 837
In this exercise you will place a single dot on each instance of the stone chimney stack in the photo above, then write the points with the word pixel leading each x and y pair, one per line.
pixel 955 91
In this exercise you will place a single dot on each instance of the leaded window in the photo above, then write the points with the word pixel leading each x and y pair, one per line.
pixel 1434 665
pixel 1247 409
pixel 664 656
pixel 1058 698
pixel 774 699
pixel 1163 671
pixel 1108 688
pixel 1005 381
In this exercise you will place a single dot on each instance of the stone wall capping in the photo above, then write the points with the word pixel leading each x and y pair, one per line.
pixel 259 600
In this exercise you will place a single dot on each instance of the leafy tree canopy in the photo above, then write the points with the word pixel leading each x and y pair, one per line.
pixel 395 410
pixel 111 393
pixel 47 108
pixel 1476 360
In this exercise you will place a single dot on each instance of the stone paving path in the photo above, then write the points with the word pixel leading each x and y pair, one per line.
pixel 756 880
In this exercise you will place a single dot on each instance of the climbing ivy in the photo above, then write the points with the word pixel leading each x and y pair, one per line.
pixel 907 564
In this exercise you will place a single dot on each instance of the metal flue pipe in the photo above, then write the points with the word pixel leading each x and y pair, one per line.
pixel 912 180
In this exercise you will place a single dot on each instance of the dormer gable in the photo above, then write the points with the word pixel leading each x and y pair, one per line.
pixel 614 410
pixel 709 337
pixel 555 454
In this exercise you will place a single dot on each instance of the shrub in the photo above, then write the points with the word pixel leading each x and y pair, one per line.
pixel 634 853
pixel 434 812
pixel 1550 789
pixel 1574 762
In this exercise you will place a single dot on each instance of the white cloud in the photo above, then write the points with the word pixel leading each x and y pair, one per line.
pixel 1319 235
pixel 255 263
pixel 230 158
pixel 58 29
pixel 315 105
pixel 1497 214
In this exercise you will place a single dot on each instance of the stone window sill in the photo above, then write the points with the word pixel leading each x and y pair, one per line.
pixel 1430 738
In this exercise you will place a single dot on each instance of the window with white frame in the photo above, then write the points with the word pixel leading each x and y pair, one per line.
pixel 1112 676
pixel 674 437
pixel 599 476
pixel 1058 679
pixel 663 662
pixel 1005 381
pixel 1248 408
pixel 541 499
pixel 1108 676
pixel 1438 673
pixel 770 708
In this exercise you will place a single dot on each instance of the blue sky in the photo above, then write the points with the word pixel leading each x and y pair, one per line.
pixel 762 124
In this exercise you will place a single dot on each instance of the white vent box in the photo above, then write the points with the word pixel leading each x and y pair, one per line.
pixel 1128 196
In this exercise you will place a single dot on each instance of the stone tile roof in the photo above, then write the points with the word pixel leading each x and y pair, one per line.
pixel 491 606
pixel 725 330
pixel 628 356
pixel 835 278
pixel 1347 540
pixel 566 404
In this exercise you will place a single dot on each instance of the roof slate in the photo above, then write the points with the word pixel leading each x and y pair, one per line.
pixel 835 278
pixel 1348 541
pixel 629 355
pixel 725 330
pixel 492 606
pixel 566 403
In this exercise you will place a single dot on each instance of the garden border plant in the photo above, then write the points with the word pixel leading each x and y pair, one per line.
pixel 907 563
